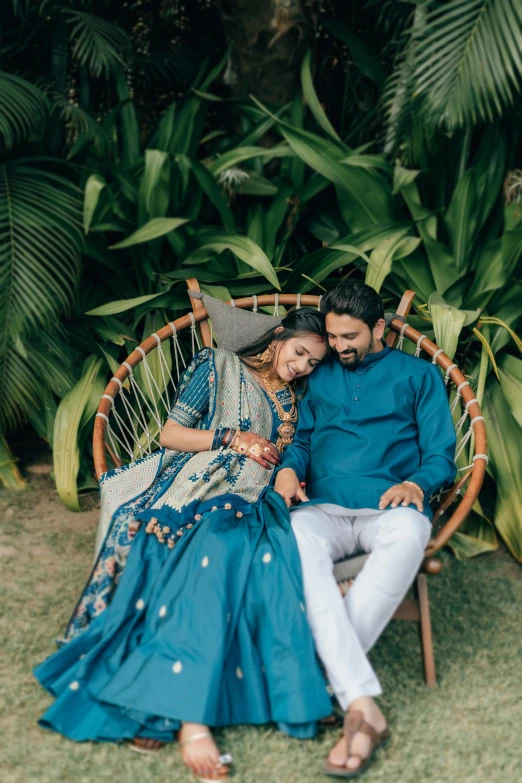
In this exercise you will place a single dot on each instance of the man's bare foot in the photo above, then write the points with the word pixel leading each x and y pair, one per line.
pixel 144 745
pixel 361 743
pixel 199 751
pixel 344 586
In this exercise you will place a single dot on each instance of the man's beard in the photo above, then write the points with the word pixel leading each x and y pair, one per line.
pixel 354 360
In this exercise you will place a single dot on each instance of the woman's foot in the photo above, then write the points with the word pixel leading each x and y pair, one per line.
pixel 361 744
pixel 144 745
pixel 199 751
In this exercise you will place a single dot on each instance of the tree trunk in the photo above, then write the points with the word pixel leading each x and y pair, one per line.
pixel 267 40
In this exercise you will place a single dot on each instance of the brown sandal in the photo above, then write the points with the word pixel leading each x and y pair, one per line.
pixel 144 745
pixel 354 723
pixel 333 721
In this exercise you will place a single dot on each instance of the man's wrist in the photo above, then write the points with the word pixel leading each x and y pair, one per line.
pixel 414 484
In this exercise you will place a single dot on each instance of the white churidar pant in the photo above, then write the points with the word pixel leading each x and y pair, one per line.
pixel 346 628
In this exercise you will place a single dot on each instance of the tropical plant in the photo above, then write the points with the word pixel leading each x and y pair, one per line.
pixel 281 201
pixel 461 65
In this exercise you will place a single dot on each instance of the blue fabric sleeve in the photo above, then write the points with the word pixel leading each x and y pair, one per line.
pixel 436 434
pixel 193 399
pixel 297 455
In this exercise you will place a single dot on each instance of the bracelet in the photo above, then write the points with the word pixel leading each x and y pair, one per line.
pixel 217 440
pixel 228 438
pixel 415 485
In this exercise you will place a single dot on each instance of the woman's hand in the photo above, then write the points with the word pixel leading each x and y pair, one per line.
pixel 403 494
pixel 257 448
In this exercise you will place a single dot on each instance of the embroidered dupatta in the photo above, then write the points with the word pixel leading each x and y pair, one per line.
pixel 174 486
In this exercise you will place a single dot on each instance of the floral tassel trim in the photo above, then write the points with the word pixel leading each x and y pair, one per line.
pixel 166 536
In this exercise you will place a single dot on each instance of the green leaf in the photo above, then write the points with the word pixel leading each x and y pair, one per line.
pixel 447 323
pixel 119 306
pixel 510 369
pixel 157 227
pixel 242 247
pixel 212 190
pixel 24 109
pixel 498 260
pixel 468 61
pixel 505 453
pixel 130 129
pixel 98 43
pixel 207 96
pixel 41 241
pixel 381 260
pixel 84 124
pixel 368 162
pixel 297 167
pixel 232 158
pixel 275 215
pixel 403 177
pixel 311 98
pixel 321 263
pixel 154 190
pixel 352 249
pixel 94 186
pixel 363 198
pixel 474 537
pixel 460 220
pixel 257 185
pixel 10 476
pixel 75 411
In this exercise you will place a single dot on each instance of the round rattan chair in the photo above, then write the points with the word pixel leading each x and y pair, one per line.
pixel 137 399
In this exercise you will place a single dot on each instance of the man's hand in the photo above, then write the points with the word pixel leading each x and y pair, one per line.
pixel 402 494
pixel 288 486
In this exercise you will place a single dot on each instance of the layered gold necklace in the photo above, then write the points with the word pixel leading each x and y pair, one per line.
pixel 286 430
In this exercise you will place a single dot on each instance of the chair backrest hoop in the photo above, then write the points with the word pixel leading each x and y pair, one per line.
pixel 474 477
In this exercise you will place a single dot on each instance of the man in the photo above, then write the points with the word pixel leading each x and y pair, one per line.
pixel 374 441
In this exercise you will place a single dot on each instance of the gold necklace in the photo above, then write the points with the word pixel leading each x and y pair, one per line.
pixel 285 430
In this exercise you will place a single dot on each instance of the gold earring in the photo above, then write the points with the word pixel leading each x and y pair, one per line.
pixel 268 354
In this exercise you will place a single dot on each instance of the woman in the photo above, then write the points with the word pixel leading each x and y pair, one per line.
pixel 207 625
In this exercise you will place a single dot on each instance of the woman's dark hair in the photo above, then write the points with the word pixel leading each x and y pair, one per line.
pixel 354 298
pixel 297 323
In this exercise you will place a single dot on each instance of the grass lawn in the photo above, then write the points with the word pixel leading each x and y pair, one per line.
pixel 468 730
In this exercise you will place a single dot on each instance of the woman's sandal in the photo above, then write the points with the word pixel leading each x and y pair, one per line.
pixel 354 723
pixel 224 760
pixel 144 745
pixel 333 721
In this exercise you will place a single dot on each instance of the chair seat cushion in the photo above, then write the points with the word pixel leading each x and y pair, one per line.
pixel 349 568
pixel 233 328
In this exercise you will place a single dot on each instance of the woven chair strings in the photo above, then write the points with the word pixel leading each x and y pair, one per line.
pixel 144 398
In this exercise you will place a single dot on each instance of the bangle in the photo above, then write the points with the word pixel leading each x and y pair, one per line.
pixel 415 485
pixel 218 438
pixel 228 437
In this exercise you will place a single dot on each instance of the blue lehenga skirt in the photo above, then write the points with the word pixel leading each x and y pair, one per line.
pixel 213 631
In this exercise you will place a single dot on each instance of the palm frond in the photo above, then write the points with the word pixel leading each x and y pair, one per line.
pixel 468 60
pixel 98 43
pixel 40 247
pixel 79 121
pixel 23 109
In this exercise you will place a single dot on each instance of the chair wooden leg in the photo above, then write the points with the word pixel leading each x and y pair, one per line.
pixel 425 631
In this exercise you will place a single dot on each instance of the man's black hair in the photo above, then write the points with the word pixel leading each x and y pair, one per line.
pixel 354 298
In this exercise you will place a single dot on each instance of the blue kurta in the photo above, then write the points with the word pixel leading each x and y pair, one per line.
pixel 212 631
pixel 362 431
